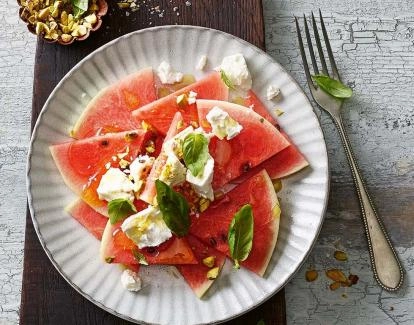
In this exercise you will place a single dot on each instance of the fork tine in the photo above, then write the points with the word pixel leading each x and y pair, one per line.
pixel 319 46
pixel 303 54
pixel 328 48
pixel 309 40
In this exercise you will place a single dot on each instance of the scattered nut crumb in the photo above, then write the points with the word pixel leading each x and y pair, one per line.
pixel 311 275
pixel 340 256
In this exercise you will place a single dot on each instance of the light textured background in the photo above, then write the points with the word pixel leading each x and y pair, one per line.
pixel 373 43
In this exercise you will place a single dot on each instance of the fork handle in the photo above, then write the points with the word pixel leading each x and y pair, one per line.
pixel 385 263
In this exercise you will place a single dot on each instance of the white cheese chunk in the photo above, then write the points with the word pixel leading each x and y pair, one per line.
pixel 272 92
pixel 173 173
pixel 167 74
pixel 131 281
pixel 201 63
pixel 146 228
pixel 223 126
pixel 139 170
pixel 115 184
pixel 202 183
pixel 235 68
pixel 192 97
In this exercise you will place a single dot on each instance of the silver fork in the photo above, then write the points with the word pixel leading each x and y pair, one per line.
pixel 385 264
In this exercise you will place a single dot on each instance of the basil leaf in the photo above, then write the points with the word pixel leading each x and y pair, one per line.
pixel 240 236
pixel 174 209
pixel 226 80
pixel 119 209
pixel 79 7
pixel 139 257
pixel 81 4
pixel 333 87
pixel 195 152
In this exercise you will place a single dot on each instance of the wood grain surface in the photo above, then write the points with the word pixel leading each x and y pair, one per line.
pixel 46 297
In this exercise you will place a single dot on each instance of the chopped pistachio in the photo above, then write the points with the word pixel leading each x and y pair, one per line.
pixel 213 273
pixel 204 204
pixel 340 256
pixel 277 185
pixel 182 100
pixel 209 261
pixel 91 19
pixel 279 112
pixel 44 13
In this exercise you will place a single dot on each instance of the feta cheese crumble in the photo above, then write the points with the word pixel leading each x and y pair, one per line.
pixel 272 92
pixel 192 97
pixel 235 68
pixel 223 126
pixel 167 74
pixel 115 184
pixel 202 63
pixel 139 170
pixel 146 228
pixel 173 173
pixel 130 280
pixel 202 183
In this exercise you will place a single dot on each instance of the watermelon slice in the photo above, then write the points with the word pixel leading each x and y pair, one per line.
pixel 93 221
pixel 119 248
pixel 212 225
pixel 82 162
pixel 288 161
pixel 110 110
pixel 258 141
pixel 196 275
pixel 160 113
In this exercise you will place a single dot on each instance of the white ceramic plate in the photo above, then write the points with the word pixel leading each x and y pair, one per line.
pixel 166 298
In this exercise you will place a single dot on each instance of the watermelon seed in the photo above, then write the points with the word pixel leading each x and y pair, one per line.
pixel 104 143
pixel 246 167
pixel 223 238
pixel 213 241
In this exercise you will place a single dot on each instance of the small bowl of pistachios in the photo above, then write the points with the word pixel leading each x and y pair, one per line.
pixel 62 21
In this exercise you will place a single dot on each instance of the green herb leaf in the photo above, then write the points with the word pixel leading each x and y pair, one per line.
pixel 261 322
pixel 333 87
pixel 240 236
pixel 195 152
pixel 79 7
pixel 119 209
pixel 174 209
pixel 226 80
pixel 139 257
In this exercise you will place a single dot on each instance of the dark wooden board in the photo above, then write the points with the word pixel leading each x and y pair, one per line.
pixel 46 297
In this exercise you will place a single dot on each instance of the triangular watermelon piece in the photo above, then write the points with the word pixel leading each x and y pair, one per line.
pixel 212 225
pixel 82 162
pixel 196 275
pixel 160 113
pixel 289 161
pixel 110 110
pixel 116 247
pixel 258 141
pixel 93 221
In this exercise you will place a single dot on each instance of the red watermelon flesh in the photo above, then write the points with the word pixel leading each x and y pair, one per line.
pixel 289 161
pixel 212 225
pixel 93 221
pixel 117 246
pixel 149 191
pixel 82 162
pixel 110 110
pixel 196 275
pixel 258 141
pixel 160 113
